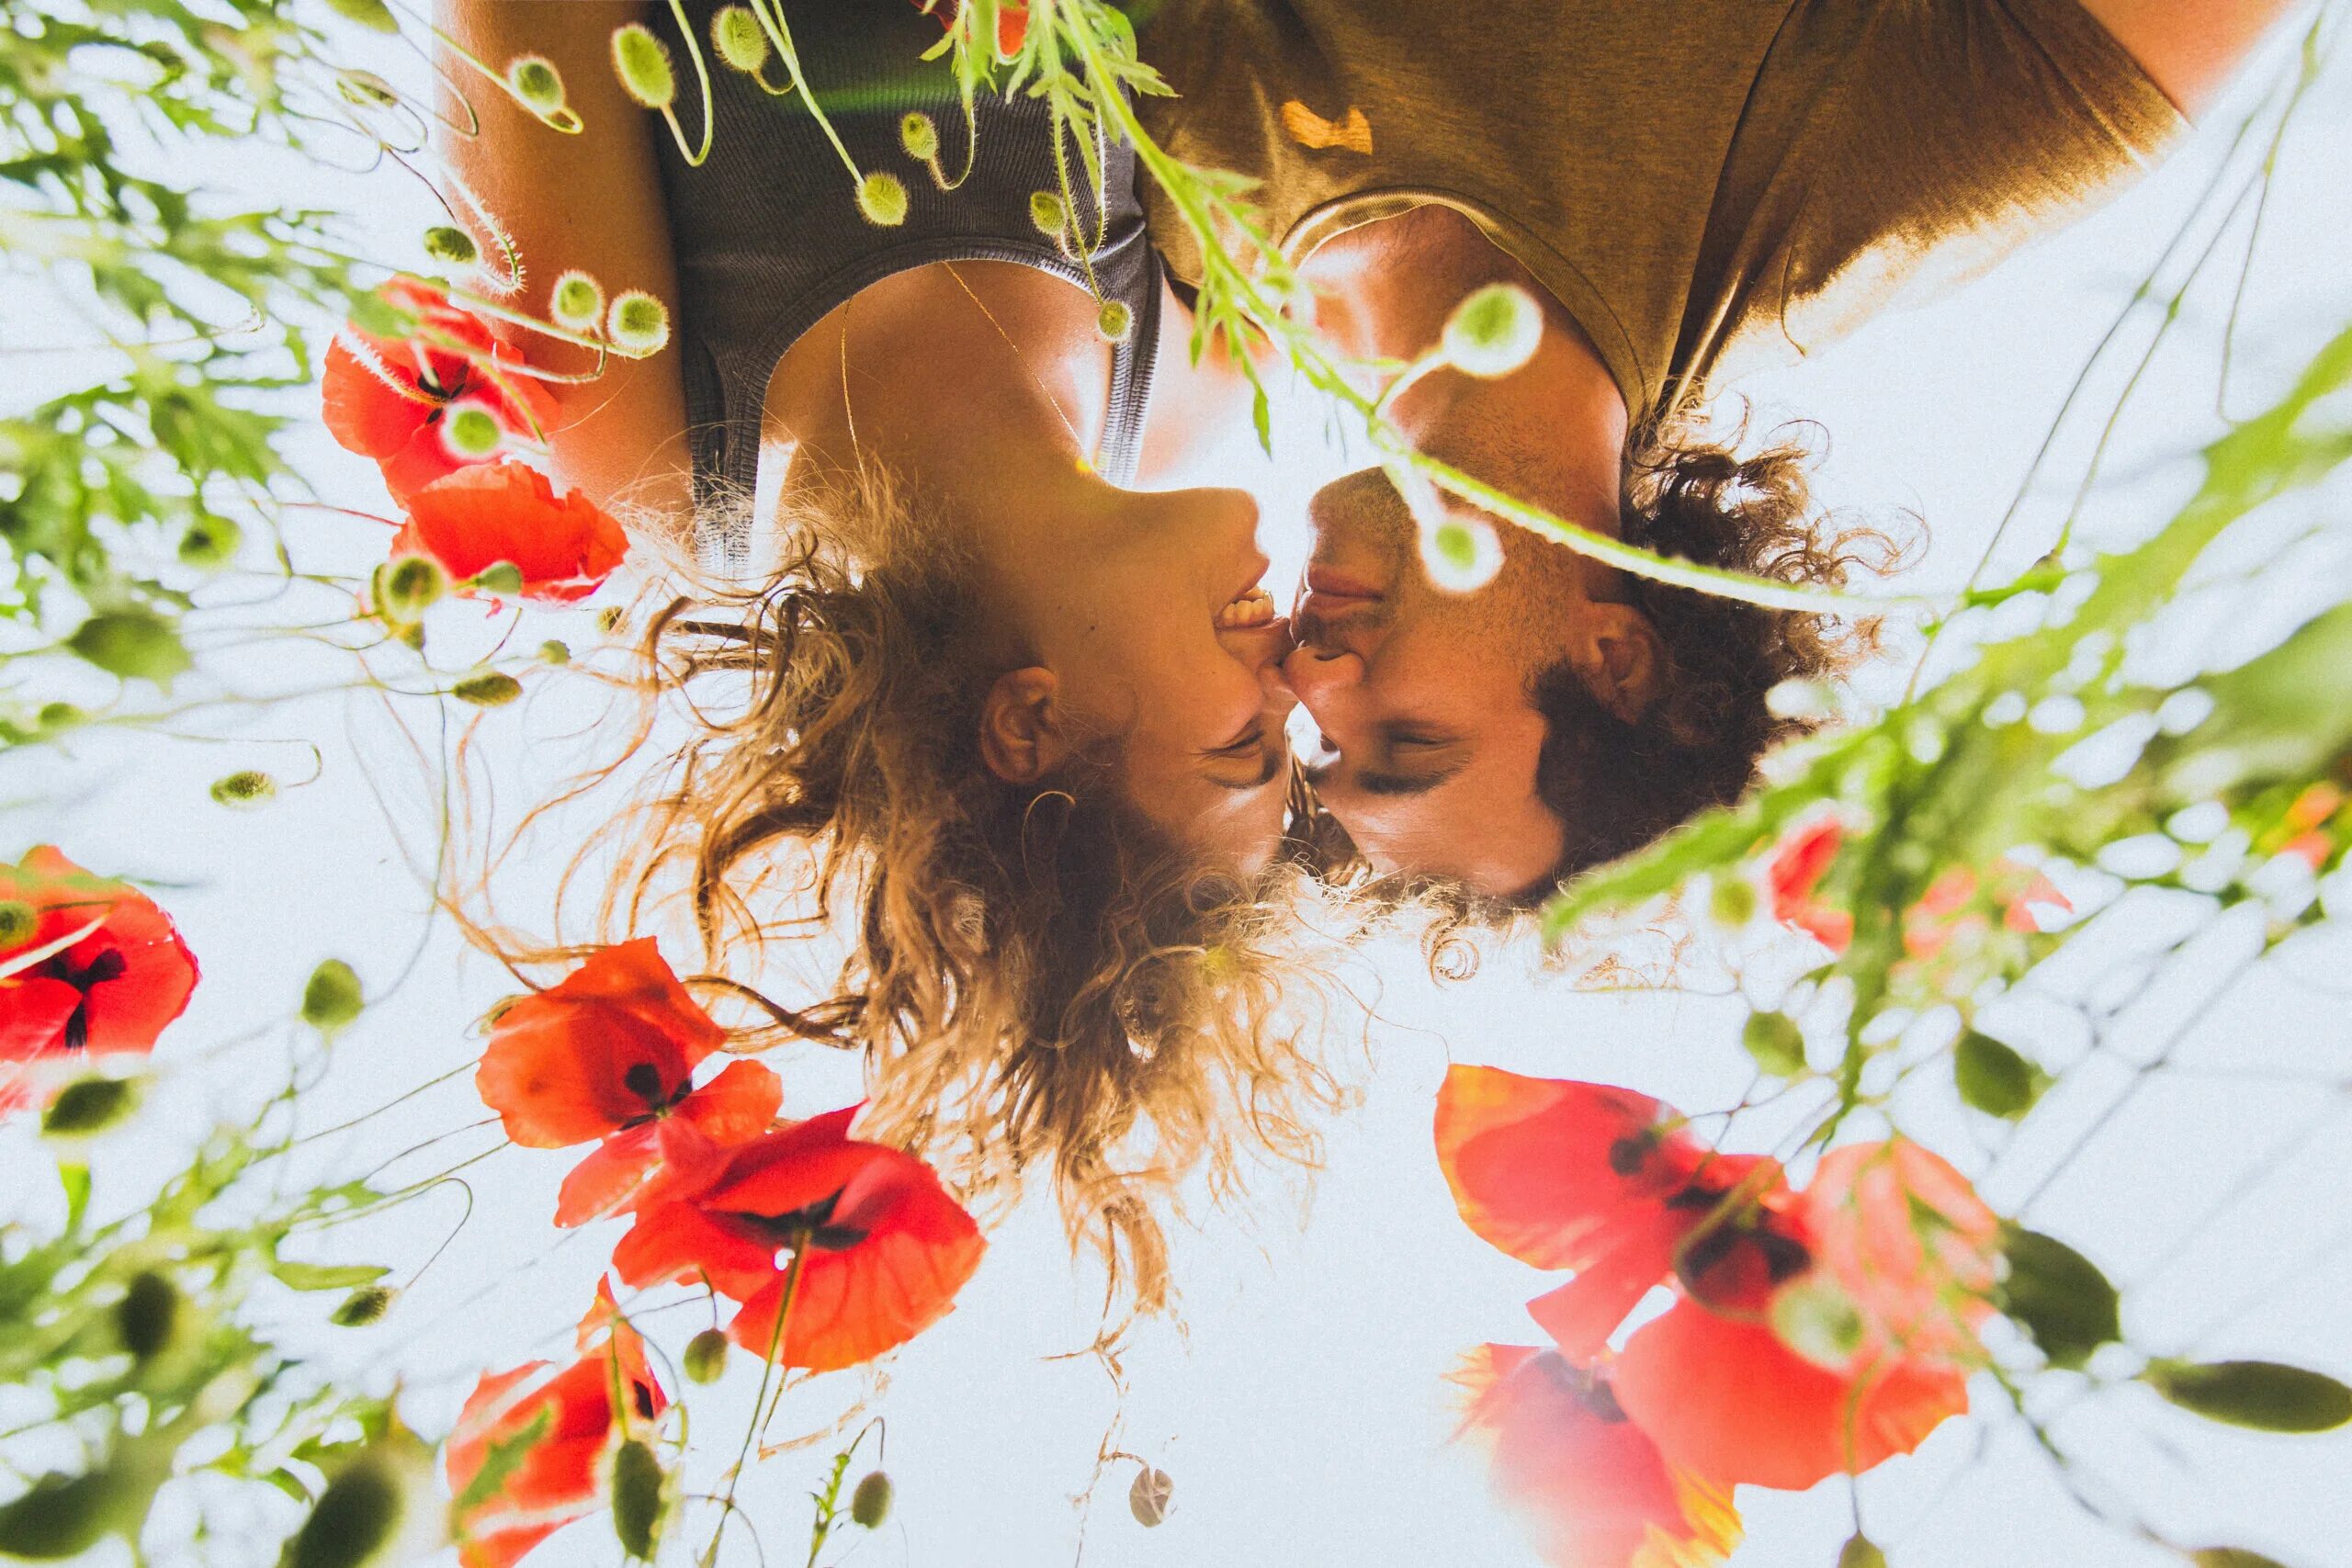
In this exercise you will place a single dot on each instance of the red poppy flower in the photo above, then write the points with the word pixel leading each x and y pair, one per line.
pixel 1592 1488
pixel 507 511
pixel 385 398
pixel 556 1481
pixel 1795 876
pixel 882 1247
pixel 1012 21
pixel 2039 893
pixel 1930 925
pixel 101 969
pixel 610 1054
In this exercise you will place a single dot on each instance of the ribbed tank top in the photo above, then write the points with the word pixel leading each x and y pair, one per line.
pixel 768 237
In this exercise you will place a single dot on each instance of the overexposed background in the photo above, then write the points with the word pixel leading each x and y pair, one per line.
pixel 1300 1406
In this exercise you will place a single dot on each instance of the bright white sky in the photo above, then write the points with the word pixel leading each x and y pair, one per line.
pixel 1300 1409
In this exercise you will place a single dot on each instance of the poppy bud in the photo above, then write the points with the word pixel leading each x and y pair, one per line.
pixel 365 89
pixel 1494 332
pixel 1461 554
pixel 375 1510
pixel 535 84
pixel 60 715
pixel 209 542
pixel 363 1307
pixel 471 432
pixel 1776 1043
pixel 918 136
pixel 144 1317
pixel 410 586
pixel 332 996
pixel 883 198
pixel 1147 1497
pixel 248 786
pixel 491 689
pixel 90 1105
pixel 1732 901
pixel 870 1504
pixel 577 302
pixel 643 66
pixel 610 619
pixel 1861 1551
pixel 639 324
pixel 2058 1296
pixel 2263 1395
pixel 1818 1320
pixel 554 653
pixel 1047 211
pixel 1115 321
pixel 1993 1078
pixel 135 644
pixel 18 921
pixel 638 1503
pixel 736 34
pixel 705 1355
pixel 451 247
pixel 498 577
pixel 64 1516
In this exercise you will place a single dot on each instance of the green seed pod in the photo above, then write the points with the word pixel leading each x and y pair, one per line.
pixel 471 432
pixel 2058 1296
pixel 1148 1497
pixel 18 921
pixel 1861 1551
pixel 90 1105
pixel 1494 332
pixel 738 40
pixel 639 324
pixel 137 645
pixel 1113 321
pixel 498 577
pixel 61 716
pixel 642 62
pixel 870 1504
pixel 248 786
pixel 1993 1078
pixel 610 619
pixel 145 1316
pixel 1776 1043
pixel 554 653
pixel 638 1501
pixel 491 689
pixel 918 136
pixel 451 247
pixel 410 586
pixel 535 84
pixel 577 302
pixel 1048 212
pixel 1461 553
pixel 705 1355
pixel 64 1516
pixel 883 199
pixel 358 1513
pixel 2263 1395
pixel 1732 900
pixel 332 996
pixel 210 542
pixel 365 1305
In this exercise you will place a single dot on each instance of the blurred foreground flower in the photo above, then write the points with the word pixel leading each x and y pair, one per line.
pixel 479 516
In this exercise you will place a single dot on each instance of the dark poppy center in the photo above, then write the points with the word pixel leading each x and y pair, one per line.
pixel 810 1226
pixel 641 1395
pixel 643 1079
pixel 107 965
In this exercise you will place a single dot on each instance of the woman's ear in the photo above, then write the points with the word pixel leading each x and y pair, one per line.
pixel 1619 656
pixel 1022 738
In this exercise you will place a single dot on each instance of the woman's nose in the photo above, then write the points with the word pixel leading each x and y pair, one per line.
pixel 1316 673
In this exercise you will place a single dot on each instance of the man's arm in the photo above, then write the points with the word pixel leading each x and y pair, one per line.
pixel 591 201
pixel 2188 47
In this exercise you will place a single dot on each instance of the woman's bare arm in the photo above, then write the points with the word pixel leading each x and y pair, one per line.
pixel 2188 47
pixel 591 201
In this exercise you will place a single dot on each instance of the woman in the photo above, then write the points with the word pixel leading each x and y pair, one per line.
pixel 1022 725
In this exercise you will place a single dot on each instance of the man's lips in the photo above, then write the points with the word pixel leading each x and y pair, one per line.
pixel 1331 582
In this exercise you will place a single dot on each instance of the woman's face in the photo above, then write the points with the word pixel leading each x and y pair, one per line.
pixel 1164 637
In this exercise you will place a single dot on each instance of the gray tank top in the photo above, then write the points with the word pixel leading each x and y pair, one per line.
pixel 768 237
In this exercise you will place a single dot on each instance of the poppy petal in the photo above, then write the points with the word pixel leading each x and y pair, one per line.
pixel 673 1240
pixel 737 1106
pixel 487 513
pixel 852 1305
pixel 611 1178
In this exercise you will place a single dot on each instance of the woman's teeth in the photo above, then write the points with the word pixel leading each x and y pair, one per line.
pixel 1255 608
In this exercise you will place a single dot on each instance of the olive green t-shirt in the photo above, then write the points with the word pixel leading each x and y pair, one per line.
pixel 1701 184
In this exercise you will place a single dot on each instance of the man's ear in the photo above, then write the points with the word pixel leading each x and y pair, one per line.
pixel 1022 738
pixel 1620 658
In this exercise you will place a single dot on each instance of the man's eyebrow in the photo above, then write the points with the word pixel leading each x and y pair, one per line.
pixel 1373 780
pixel 1273 764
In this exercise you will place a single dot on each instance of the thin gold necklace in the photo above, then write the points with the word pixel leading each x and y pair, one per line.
pixel 1077 441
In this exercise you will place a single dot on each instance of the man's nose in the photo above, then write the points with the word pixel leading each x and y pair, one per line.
pixel 1317 673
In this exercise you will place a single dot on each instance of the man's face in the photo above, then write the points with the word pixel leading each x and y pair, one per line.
pixel 1422 695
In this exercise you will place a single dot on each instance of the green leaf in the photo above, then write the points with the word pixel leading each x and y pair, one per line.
pixel 326 1276
pixel 1994 1078
pixel 75 1176
pixel 137 645
pixel 90 1105
pixel 61 1516
pixel 2058 1296
pixel 372 13
pixel 2263 1395
pixel 1776 1043
pixel 360 1511
pixel 2232 1557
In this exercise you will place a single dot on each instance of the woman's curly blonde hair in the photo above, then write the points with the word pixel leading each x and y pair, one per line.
pixel 1038 975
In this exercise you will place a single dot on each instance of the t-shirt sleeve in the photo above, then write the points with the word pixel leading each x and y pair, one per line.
pixel 1898 146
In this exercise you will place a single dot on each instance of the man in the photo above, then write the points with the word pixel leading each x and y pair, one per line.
pixel 1683 187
